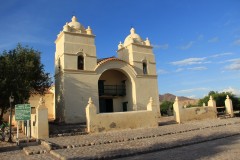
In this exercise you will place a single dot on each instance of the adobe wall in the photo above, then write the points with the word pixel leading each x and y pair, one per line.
pixel 197 113
pixel 121 120
pixel 182 114
pixel 49 102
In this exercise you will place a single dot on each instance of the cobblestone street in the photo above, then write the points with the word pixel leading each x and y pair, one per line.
pixel 153 142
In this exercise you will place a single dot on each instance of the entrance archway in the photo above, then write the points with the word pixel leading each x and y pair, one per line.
pixel 115 91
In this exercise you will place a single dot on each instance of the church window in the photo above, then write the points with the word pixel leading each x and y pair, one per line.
pixel 144 68
pixel 80 62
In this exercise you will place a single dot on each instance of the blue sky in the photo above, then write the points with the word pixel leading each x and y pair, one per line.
pixel 196 43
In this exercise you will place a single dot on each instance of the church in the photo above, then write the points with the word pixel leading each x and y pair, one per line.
pixel 116 84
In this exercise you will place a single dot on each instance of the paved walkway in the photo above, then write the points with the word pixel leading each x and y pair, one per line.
pixel 129 142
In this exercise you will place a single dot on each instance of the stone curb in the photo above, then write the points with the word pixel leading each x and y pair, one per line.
pixel 67 134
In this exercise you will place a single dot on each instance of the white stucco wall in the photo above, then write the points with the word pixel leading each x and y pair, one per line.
pixel 77 89
pixel 182 114
pixel 104 122
pixel 49 103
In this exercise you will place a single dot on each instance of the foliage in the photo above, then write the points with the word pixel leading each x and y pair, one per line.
pixel 165 107
pixel 21 74
pixel 220 99
pixel 192 105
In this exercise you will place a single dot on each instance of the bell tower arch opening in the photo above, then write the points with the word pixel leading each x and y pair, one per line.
pixel 80 62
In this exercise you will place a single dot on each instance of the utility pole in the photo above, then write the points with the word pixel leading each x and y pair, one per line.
pixel 11 100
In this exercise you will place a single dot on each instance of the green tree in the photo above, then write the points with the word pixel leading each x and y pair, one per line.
pixel 220 99
pixel 21 74
pixel 165 106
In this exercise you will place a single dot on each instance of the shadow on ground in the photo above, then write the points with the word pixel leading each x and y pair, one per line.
pixel 6 147
pixel 197 147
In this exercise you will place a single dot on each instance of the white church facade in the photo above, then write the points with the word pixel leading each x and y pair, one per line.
pixel 115 84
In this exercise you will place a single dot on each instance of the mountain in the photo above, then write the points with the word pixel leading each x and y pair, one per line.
pixel 171 97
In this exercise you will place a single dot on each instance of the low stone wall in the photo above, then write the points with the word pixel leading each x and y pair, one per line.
pixel 120 120
pixel 182 114
pixel 197 113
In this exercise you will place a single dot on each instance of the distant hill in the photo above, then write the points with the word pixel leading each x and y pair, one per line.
pixel 171 97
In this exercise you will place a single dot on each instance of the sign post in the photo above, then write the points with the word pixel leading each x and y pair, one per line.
pixel 22 113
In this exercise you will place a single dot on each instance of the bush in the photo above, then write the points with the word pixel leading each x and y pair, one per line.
pixel 165 107
pixel 220 99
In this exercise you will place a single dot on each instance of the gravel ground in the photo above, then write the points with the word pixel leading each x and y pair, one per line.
pixel 126 135
pixel 115 150
pixel 131 142
pixel 220 149
pixel 9 151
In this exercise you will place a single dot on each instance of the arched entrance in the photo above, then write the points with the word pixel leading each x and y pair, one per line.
pixel 115 91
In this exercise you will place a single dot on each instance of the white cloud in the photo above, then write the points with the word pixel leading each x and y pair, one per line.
pixel 198 68
pixel 192 61
pixel 187 46
pixel 192 96
pixel 179 69
pixel 200 37
pixel 232 90
pixel 161 71
pixel 221 54
pixel 161 46
pixel 237 42
pixel 234 60
pixel 191 90
pixel 213 40
pixel 235 64
pixel 189 61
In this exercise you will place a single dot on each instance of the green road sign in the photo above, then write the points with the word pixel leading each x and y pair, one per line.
pixel 22 112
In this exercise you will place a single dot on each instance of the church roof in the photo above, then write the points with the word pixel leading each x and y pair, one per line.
pixel 75 24
pixel 133 38
pixel 75 27
pixel 104 60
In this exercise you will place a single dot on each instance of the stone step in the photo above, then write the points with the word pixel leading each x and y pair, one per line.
pixel 59 130
pixel 67 134
pixel 23 139
pixel 225 116
pixel 38 149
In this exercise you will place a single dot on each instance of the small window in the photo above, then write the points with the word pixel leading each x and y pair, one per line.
pixel 80 62
pixel 144 68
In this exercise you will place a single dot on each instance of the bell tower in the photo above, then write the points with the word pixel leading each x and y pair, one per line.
pixel 75 61
pixel 72 42
pixel 138 53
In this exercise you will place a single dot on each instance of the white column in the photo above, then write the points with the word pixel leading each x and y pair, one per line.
pixel 42 128
pixel 212 102
pixel 91 113
pixel 177 109
pixel 229 106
